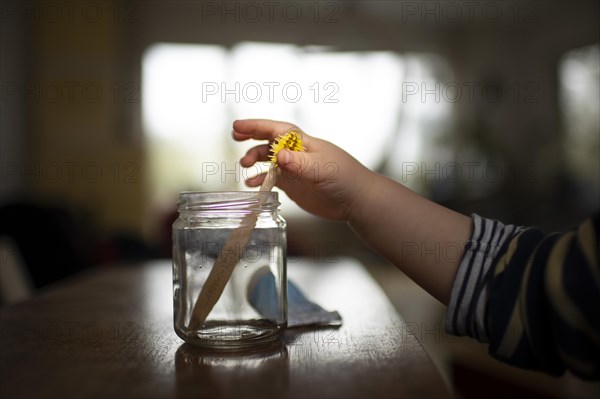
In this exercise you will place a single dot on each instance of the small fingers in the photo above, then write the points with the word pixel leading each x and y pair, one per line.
pixel 259 153
pixel 265 129
pixel 260 129
pixel 256 180
pixel 240 136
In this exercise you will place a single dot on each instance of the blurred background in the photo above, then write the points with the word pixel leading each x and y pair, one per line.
pixel 110 108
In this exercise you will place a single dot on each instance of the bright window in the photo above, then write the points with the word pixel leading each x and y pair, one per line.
pixel 192 93
pixel 579 74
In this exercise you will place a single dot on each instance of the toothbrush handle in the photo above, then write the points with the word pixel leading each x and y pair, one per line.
pixel 228 258
pixel 221 271
pixel 270 179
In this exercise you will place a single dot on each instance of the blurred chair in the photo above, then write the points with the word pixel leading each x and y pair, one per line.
pixel 49 242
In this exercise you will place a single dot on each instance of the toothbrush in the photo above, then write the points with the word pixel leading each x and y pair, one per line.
pixel 236 243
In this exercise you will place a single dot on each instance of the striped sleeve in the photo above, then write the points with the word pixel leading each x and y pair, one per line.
pixel 538 300
pixel 466 310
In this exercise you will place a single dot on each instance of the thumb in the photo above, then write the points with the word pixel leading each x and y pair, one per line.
pixel 293 163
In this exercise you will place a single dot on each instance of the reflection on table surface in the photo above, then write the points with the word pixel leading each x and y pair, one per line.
pixel 109 333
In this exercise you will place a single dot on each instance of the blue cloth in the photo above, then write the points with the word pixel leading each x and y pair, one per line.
pixel 262 295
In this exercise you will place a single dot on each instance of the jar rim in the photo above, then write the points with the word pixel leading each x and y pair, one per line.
pixel 228 200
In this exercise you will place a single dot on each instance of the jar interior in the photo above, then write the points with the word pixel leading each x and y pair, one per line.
pixel 234 321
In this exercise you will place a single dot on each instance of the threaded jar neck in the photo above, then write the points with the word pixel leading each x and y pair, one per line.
pixel 228 201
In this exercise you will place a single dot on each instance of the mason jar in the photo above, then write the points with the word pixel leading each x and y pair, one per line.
pixel 229 269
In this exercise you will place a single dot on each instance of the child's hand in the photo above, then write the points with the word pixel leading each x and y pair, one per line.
pixel 328 182
pixel 323 180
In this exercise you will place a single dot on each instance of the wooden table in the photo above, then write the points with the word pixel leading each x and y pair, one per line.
pixel 108 334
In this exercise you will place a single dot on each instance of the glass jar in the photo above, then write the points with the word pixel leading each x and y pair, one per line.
pixel 229 269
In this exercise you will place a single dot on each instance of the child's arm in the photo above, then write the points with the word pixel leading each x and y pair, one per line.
pixel 534 298
pixel 423 239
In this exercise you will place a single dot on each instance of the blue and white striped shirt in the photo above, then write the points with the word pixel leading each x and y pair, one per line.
pixel 535 298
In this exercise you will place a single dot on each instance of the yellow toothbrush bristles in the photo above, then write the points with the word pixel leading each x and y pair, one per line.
pixel 290 141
